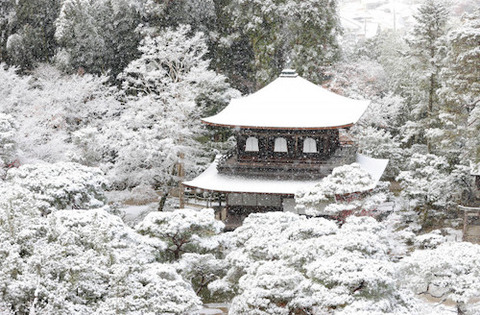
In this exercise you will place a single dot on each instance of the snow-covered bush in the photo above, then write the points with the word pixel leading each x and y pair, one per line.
pixel 429 182
pixel 452 270
pixel 81 262
pixel 143 194
pixel 201 270
pixel 347 180
pixel 20 222
pixel 183 230
pixel 282 263
pixel 88 148
pixel 430 240
pixel 49 106
pixel 62 185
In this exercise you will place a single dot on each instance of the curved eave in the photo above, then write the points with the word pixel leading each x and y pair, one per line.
pixel 275 128
pixel 211 180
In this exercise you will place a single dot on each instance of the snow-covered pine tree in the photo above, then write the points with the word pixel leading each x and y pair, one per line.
pixel 425 43
pixel 282 263
pixel 30 27
pixel 99 36
pixel 304 31
pixel 183 231
pixel 7 12
pixel 167 89
pixel 81 262
pixel 8 143
pixel 61 185
pixel 460 92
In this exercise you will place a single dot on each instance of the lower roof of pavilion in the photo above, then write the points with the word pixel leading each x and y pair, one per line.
pixel 212 180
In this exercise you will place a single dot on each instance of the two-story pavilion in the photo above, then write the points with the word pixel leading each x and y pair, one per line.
pixel 288 136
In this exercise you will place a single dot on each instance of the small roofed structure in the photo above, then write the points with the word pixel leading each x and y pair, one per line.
pixel 287 137
pixel 475 172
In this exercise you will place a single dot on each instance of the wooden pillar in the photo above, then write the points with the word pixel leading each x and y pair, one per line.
pixel 326 148
pixel 181 175
pixel 297 151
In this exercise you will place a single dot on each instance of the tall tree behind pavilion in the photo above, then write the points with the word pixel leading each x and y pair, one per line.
pixel 425 44
pixel 28 31
pixel 304 32
pixel 460 92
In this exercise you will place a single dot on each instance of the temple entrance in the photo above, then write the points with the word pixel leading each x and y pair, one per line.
pixel 241 205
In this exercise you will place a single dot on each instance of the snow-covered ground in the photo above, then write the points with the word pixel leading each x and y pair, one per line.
pixel 213 309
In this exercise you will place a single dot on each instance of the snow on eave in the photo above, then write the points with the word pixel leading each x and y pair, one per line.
pixel 375 167
pixel 211 180
pixel 273 128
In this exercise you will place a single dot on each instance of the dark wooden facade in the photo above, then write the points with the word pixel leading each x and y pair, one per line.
pixel 327 141
pixel 295 163
pixel 325 152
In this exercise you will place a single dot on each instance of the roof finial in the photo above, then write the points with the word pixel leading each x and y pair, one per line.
pixel 288 72
pixel 288 62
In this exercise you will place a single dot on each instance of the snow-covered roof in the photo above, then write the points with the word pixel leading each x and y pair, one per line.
pixel 290 102
pixel 211 180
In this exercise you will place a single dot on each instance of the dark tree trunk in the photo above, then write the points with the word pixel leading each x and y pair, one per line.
pixel 162 201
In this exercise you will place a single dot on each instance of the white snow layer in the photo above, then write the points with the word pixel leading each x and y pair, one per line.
pixel 290 102
pixel 211 180
pixel 375 167
pixel 475 169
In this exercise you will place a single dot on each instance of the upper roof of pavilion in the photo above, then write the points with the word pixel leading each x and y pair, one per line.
pixel 290 102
